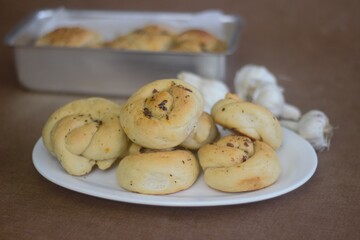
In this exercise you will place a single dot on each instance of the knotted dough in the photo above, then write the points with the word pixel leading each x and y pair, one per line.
pixel 248 119
pixel 150 171
pixel 204 132
pixel 85 132
pixel 162 114
pixel 238 164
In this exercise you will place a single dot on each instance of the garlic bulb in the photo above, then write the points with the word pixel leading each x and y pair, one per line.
pixel 212 90
pixel 257 84
pixel 315 127
pixel 249 78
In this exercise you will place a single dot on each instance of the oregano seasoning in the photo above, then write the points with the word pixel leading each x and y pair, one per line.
pixel 147 113
pixel 162 105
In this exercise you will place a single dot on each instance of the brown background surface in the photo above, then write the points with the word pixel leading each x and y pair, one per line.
pixel 313 46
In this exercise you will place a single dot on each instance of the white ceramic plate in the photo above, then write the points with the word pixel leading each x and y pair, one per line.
pixel 298 161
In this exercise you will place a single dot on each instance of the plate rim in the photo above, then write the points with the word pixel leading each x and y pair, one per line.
pixel 168 200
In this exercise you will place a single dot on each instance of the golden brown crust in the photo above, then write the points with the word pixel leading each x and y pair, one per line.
pixel 237 164
pixel 85 132
pixel 249 119
pixel 70 37
pixel 149 38
pixel 162 113
pixel 161 172
pixel 198 41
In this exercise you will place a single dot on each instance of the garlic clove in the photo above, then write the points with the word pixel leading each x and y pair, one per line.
pixel 211 90
pixel 249 78
pixel 292 125
pixel 271 97
pixel 290 112
pixel 315 127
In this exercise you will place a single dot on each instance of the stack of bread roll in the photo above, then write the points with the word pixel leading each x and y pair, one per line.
pixel 245 160
pixel 166 120
pixel 154 38
pixel 163 139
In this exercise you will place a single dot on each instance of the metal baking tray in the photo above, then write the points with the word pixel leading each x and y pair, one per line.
pixel 107 71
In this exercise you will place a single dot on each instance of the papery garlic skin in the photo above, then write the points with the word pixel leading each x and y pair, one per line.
pixel 212 90
pixel 249 78
pixel 271 97
pixel 315 127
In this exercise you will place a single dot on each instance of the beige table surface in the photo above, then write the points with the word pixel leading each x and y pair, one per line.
pixel 313 46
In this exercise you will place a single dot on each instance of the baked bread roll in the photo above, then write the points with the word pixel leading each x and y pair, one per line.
pixel 197 41
pixel 248 119
pixel 149 38
pixel 238 164
pixel 84 133
pixel 205 132
pixel 162 114
pixel 70 37
pixel 161 172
